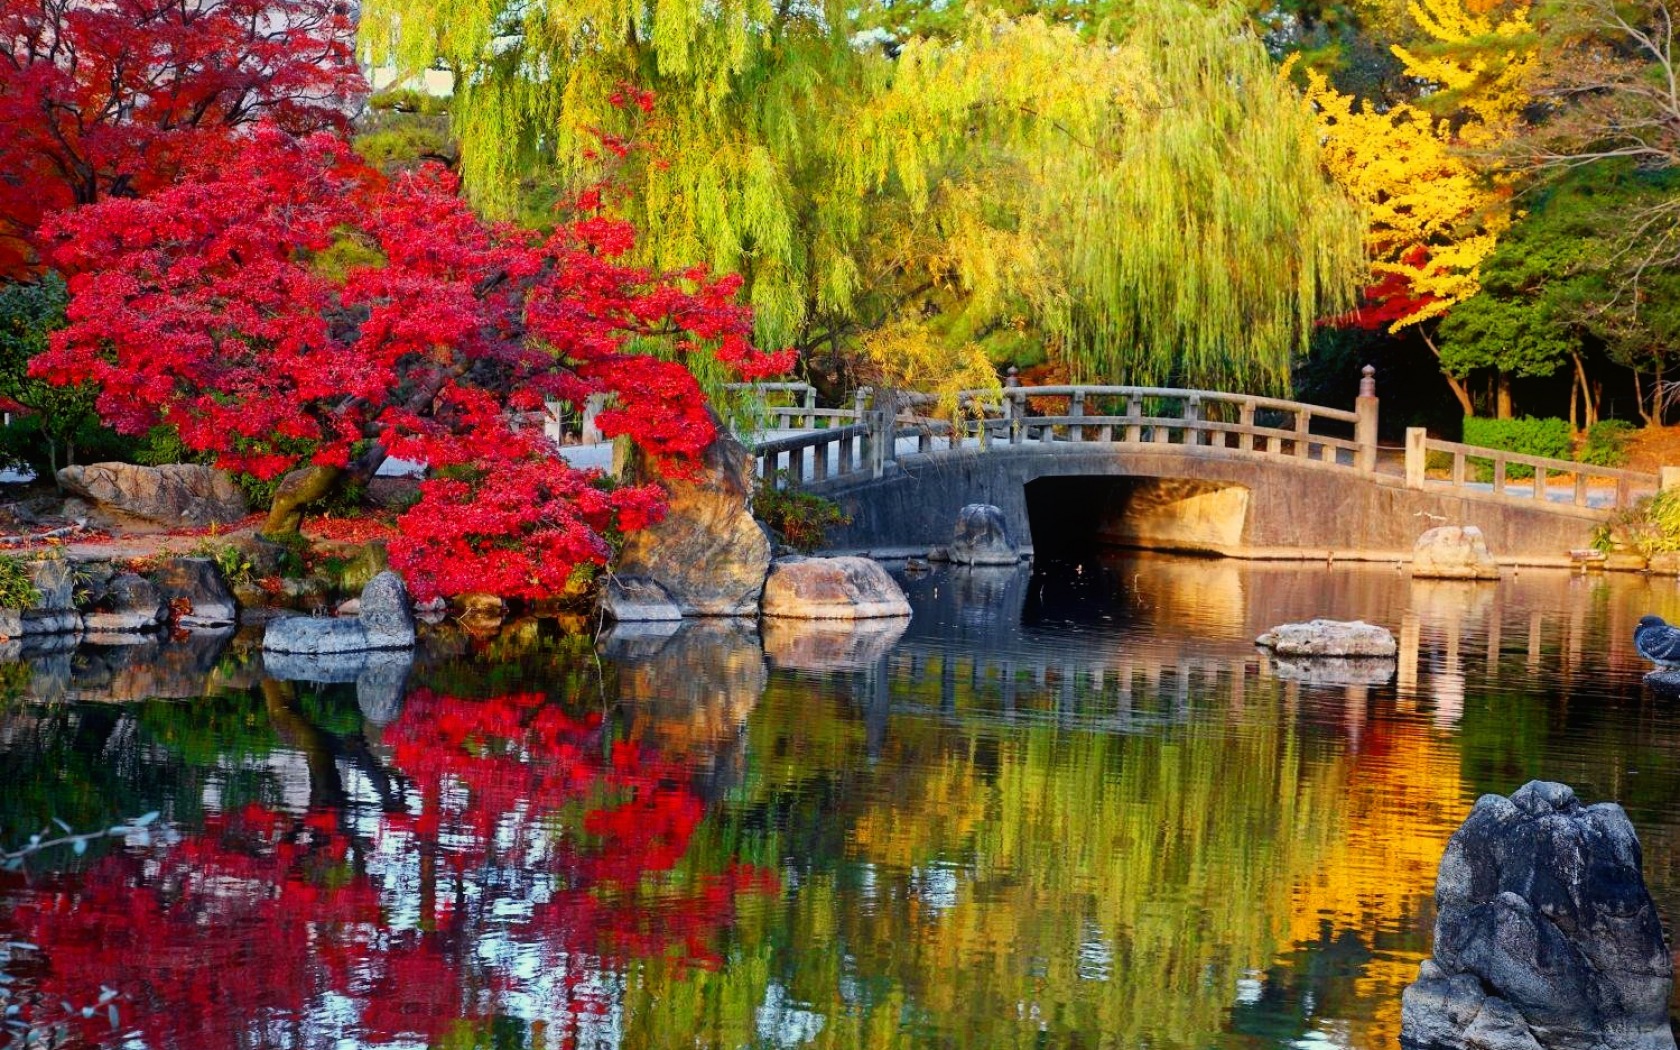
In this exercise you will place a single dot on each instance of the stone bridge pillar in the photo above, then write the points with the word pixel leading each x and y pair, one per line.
pixel 1365 427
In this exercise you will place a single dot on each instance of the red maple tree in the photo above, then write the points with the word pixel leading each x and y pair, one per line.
pixel 102 98
pixel 289 309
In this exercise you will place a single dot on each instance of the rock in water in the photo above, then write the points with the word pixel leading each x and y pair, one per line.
pixel 196 586
pixel 173 494
pixel 386 621
pixel 1453 552
pixel 637 599
pixel 127 603
pixel 1545 936
pixel 708 553
pixel 982 537
pixel 1329 638
pixel 387 612
pixel 832 589
pixel 54 612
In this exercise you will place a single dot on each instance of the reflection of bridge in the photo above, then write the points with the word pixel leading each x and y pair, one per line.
pixel 1180 469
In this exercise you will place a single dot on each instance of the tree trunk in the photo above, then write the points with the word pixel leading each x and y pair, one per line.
pixel 1574 414
pixel 296 491
pixel 1459 390
pixel 1502 399
pixel 1639 401
pixel 1588 403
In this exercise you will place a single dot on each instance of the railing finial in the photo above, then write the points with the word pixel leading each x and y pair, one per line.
pixel 1368 381
pixel 1013 377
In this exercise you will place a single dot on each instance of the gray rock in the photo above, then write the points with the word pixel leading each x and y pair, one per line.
pixel 637 599
pixel 199 584
pixel 174 494
pixel 708 552
pixel 1453 552
pixel 1329 638
pixel 982 537
pixel 387 613
pixel 1545 935
pixel 54 612
pixel 315 636
pixel 128 603
pixel 832 589
pixel 386 621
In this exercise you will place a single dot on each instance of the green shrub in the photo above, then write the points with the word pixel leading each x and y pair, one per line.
pixel 1607 443
pixel 801 519
pixel 235 567
pixel 17 586
pixel 1526 435
pixel 1650 526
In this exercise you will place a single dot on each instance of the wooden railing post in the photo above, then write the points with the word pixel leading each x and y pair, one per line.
pixel 1417 456
pixel 1365 427
pixel 1014 409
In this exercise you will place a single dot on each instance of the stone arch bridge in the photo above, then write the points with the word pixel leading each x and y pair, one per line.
pixel 1188 470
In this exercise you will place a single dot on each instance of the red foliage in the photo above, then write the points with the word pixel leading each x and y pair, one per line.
pixel 111 97
pixel 1388 300
pixel 242 928
pixel 206 305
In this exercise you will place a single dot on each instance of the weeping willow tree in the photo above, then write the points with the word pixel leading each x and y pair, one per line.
pixel 1146 201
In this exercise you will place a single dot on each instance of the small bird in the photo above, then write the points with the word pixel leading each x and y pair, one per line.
pixel 1657 641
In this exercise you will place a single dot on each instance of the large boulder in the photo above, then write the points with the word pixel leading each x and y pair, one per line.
pixel 708 552
pixel 1354 638
pixel 54 612
pixel 386 621
pixel 127 603
pixel 386 612
pixel 1453 552
pixel 195 590
pixel 174 494
pixel 832 589
pixel 637 599
pixel 1545 936
pixel 982 537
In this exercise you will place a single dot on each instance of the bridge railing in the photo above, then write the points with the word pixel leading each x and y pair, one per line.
pixel 1473 469
pixel 1099 415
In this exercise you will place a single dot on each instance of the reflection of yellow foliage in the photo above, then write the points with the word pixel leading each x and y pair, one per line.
pixel 1104 883
pixel 1402 800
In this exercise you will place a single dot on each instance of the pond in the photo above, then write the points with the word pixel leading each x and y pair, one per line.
pixel 1072 807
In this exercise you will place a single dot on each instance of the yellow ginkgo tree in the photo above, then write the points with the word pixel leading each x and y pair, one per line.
pixel 1435 195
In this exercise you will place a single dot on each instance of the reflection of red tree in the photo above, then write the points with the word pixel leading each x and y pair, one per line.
pixel 234 933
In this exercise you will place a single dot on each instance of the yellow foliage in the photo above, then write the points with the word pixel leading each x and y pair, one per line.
pixel 904 355
pixel 1431 215
pixel 1482 63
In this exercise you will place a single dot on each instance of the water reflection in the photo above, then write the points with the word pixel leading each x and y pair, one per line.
pixel 1075 807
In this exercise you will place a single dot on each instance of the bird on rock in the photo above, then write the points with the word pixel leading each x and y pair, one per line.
pixel 1657 641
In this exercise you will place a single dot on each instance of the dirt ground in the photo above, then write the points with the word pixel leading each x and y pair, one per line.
pixel 1654 447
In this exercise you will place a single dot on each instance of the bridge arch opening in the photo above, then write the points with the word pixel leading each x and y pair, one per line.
pixel 1071 516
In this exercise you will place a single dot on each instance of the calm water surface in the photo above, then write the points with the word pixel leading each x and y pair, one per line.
pixel 1071 809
